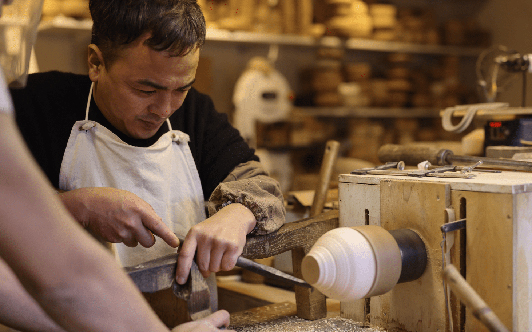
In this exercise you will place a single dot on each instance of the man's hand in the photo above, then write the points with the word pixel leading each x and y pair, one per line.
pixel 117 216
pixel 208 324
pixel 218 240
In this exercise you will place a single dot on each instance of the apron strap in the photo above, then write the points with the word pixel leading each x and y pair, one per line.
pixel 175 137
pixel 88 102
pixel 88 125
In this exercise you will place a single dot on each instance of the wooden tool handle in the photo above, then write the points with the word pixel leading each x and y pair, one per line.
pixel 413 154
pixel 472 300
pixel 327 166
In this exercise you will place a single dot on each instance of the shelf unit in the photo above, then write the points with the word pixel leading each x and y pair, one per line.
pixel 79 34
pixel 65 25
pixel 351 44
pixel 348 44
pixel 367 112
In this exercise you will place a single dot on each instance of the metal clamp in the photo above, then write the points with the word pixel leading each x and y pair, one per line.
pixel 453 226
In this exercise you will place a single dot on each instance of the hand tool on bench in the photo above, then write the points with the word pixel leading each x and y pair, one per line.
pixel 414 154
pixel 391 165
pixel 441 172
pixel 461 169
pixel 448 171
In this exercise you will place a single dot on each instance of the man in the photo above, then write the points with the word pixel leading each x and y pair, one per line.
pixel 138 150
pixel 75 285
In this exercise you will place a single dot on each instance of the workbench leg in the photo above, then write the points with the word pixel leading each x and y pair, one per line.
pixel 311 304
pixel 171 310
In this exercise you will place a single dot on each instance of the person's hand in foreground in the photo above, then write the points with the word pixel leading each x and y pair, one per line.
pixel 211 323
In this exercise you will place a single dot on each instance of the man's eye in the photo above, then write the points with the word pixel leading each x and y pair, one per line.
pixel 147 92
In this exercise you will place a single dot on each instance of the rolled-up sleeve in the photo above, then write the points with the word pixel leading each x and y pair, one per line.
pixel 250 185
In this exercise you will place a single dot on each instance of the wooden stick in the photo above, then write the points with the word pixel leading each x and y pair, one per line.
pixel 327 166
pixel 472 300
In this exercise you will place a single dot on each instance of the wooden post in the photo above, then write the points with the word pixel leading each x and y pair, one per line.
pixel 305 16
pixel 311 303
pixel 327 166
pixel 289 16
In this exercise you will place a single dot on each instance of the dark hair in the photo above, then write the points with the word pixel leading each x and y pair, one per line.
pixel 176 26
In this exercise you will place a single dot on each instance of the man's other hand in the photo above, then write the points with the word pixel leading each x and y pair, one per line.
pixel 216 242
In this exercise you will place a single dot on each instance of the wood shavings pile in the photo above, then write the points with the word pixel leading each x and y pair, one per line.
pixel 296 324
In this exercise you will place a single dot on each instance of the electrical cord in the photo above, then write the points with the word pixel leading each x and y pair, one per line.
pixel 471 111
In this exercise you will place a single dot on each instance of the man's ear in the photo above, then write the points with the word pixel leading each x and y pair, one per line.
pixel 96 64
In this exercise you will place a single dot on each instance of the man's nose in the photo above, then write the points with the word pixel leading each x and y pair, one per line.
pixel 163 106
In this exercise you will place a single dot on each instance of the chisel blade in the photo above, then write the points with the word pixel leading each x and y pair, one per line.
pixel 270 272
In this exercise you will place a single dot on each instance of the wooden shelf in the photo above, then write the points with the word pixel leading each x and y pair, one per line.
pixel 65 25
pixel 330 41
pixel 68 25
pixel 368 112
pixel 392 46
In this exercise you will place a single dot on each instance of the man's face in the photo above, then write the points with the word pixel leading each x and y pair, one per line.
pixel 142 88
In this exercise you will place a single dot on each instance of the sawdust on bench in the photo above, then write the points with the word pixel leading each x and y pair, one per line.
pixel 296 324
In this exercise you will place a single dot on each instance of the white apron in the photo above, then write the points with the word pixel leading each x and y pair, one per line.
pixel 164 175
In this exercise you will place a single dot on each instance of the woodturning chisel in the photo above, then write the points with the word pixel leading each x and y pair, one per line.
pixel 158 274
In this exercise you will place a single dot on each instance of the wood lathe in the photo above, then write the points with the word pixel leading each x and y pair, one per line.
pixel 489 243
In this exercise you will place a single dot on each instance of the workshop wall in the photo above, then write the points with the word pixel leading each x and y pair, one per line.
pixel 510 26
